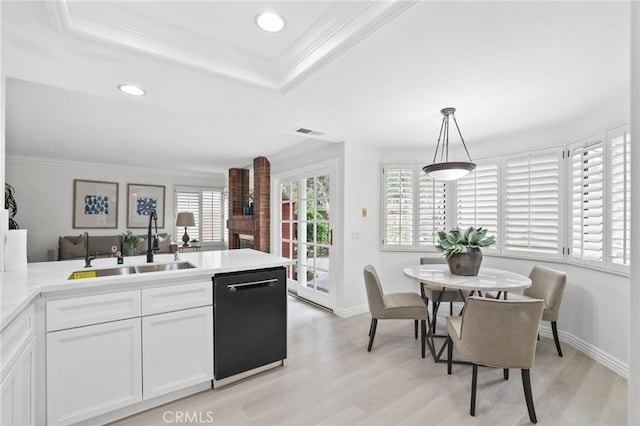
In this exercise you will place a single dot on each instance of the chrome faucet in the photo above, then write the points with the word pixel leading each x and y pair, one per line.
pixel 152 244
pixel 87 258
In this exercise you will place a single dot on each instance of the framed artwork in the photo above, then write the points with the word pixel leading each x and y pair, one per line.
pixel 95 204
pixel 141 200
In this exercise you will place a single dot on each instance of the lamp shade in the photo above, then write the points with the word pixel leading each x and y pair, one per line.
pixel 185 219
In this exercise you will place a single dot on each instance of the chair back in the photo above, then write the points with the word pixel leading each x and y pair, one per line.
pixel 500 333
pixel 547 284
pixel 432 259
pixel 374 292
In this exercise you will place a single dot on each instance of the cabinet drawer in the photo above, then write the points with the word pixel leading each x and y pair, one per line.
pixel 86 310
pixel 15 337
pixel 175 297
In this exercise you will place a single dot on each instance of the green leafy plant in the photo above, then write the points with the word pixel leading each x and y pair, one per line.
pixel 132 241
pixel 457 241
pixel 11 205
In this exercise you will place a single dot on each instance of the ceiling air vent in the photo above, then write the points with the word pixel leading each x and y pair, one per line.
pixel 308 131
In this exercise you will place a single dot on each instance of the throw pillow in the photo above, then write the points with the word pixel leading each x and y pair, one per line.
pixel 72 249
pixel 164 244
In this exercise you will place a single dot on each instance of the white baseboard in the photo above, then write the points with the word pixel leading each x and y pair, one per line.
pixel 588 349
pixel 352 311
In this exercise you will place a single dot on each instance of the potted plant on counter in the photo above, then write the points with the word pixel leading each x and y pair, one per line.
pixel 462 249
pixel 11 205
pixel 132 241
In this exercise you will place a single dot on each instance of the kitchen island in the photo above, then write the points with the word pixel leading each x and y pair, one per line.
pixel 112 345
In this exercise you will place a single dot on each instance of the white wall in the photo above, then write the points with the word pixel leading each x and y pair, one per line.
pixel 634 332
pixel 44 194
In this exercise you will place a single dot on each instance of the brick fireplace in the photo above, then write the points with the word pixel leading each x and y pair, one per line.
pixel 244 227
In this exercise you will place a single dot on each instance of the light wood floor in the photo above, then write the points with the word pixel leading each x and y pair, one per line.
pixel 331 379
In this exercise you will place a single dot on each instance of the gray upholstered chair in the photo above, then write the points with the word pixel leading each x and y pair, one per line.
pixel 392 306
pixel 497 333
pixel 546 284
pixel 450 295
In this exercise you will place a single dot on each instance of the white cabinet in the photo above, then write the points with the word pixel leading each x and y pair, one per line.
pixel 95 367
pixel 93 370
pixel 17 372
pixel 109 351
pixel 178 350
pixel 18 389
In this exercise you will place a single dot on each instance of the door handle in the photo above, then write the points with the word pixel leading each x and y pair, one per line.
pixel 330 237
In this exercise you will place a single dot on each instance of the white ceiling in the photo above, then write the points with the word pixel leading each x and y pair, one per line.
pixel 221 92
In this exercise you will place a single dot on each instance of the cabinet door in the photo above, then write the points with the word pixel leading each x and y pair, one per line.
pixel 93 370
pixel 18 390
pixel 178 350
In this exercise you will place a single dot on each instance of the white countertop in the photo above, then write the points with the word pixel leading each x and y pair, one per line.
pixel 18 289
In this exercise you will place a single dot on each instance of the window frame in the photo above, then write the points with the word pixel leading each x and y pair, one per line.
pixel 415 245
pixel 179 231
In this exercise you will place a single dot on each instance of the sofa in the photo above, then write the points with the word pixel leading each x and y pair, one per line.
pixel 74 246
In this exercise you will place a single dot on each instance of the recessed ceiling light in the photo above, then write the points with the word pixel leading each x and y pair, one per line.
pixel 131 89
pixel 271 22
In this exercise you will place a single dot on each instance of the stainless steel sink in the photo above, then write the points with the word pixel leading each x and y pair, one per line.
pixel 126 270
pixel 94 273
pixel 173 266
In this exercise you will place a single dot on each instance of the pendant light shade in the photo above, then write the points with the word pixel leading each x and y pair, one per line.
pixel 445 169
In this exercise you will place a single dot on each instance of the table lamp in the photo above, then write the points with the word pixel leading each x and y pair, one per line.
pixel 185 219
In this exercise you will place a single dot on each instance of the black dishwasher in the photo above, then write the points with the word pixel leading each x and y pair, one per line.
pixel 249 320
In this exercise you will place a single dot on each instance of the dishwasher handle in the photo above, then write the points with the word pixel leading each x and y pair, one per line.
pixel 252 284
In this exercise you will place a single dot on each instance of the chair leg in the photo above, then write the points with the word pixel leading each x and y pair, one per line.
pixel 526 384
pixel 374 324
pixel 449 353
pixel 416 328
pixel 474 382
pixel 423 334
pixel 451 308
pixel 505 373
pixel 554 328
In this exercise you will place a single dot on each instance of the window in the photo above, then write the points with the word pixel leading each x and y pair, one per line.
pixel 520 199
pixel 601 193
pixel 209 208
pixel 415 208
pixel 531 207
pixel 619 197
pixel 477 200
pixel 587 201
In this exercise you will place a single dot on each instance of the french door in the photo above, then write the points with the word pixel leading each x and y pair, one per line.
pixel 306 234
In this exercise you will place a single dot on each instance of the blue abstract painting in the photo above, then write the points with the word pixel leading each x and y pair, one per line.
pixel 144 206
pixel 96 204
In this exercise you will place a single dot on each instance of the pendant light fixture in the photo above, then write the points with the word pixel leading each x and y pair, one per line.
pixel 445 169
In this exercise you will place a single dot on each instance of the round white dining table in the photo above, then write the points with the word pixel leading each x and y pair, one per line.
pixel 438 276
pixel 488 279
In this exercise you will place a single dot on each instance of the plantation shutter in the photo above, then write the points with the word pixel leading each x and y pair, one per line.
pixel 399 202
pixel 532 209
pixel 619 201
pixel 587 201
pixel 477 200
pixel 212 216
pixel 432 209
pixel 188 201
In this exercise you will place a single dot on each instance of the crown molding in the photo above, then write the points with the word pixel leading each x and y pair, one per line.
pixel 112 167
pixel 333 38
pixel 344 26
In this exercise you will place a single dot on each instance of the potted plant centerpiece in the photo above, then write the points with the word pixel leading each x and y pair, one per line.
pixel 133 242
pixel 462 249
